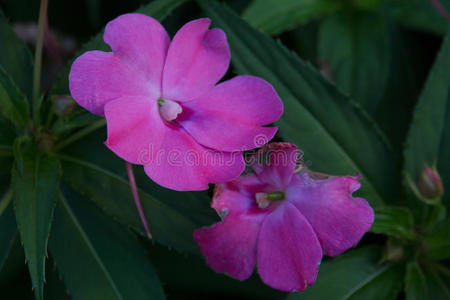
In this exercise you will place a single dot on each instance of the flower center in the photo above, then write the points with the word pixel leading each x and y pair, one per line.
pixel 264 199
pixel 169 110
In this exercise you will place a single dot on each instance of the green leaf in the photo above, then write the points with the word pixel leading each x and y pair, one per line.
pixel 158 9
pixel 13 105
pixel 101 176
pixel 8 226
pixel 15 57
pixel 355 275
pixel 64 126
pixel 54 286
pixel 275 16
pixel 187 276
pixel 438 281
pixel 437 242
pixel 415 282
pixel 35 191
pixel 421 15
pixel 356 47
pixel 407 74
pixel 334 134
pixel 430 128
pixel 97 258
pixel 394 221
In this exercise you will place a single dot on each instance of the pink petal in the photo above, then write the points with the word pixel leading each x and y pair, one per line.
pixel 184 165
pixel 230 246
pixel 196 60
pixel 98 77
pixel 275 164
pixel 288 250
pixel 142 42
pixel 338 219
pixel 230 116
pixel 135 128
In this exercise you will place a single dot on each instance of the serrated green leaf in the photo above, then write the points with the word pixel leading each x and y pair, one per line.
pixel 97 258
pixel 421 15
pixel 101 176
pixel 356 47
pixel 15 57
pixel 430 128
pixel 158 9
pixel 355 275
pixel 54 286
pixel 437 242
pixel 394 221
pixel 335 136
pixel 8 226
pixel 13 105
pixel 415 282
pixel 35 191
pixel 275 16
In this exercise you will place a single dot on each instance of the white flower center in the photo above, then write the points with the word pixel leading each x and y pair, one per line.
pixel 169 110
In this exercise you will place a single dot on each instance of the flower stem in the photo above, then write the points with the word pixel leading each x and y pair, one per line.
pixel 137 200
pixel 440 8
pixel 38 59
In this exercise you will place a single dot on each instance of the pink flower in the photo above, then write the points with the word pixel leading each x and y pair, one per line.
pixel 282 221
pixel 162 106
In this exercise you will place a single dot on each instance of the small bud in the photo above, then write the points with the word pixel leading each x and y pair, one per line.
pixel 430 184
pixel 63 105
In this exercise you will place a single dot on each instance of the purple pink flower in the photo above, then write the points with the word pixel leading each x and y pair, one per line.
pixel 283 219
pixel 163 106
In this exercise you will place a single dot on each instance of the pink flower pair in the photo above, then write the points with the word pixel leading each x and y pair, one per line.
pixel 165 110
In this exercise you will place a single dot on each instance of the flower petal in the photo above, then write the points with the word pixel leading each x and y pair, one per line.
pixel 135 128
pixel 338 219
pixel 98 77
pixel 142 42
pixel 288 250
pixel 230 246
pixel 235 109
pixel 184 165
pixel 196 60
pixel 275 164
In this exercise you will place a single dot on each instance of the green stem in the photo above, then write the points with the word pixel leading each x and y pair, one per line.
pixel 38 59
pixel 78 135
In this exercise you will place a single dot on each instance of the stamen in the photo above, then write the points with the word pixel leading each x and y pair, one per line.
pixel 264 199
pixel 169 110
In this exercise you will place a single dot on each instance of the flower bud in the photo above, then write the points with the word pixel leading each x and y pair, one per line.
pixel 430 184
pixel 63 105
